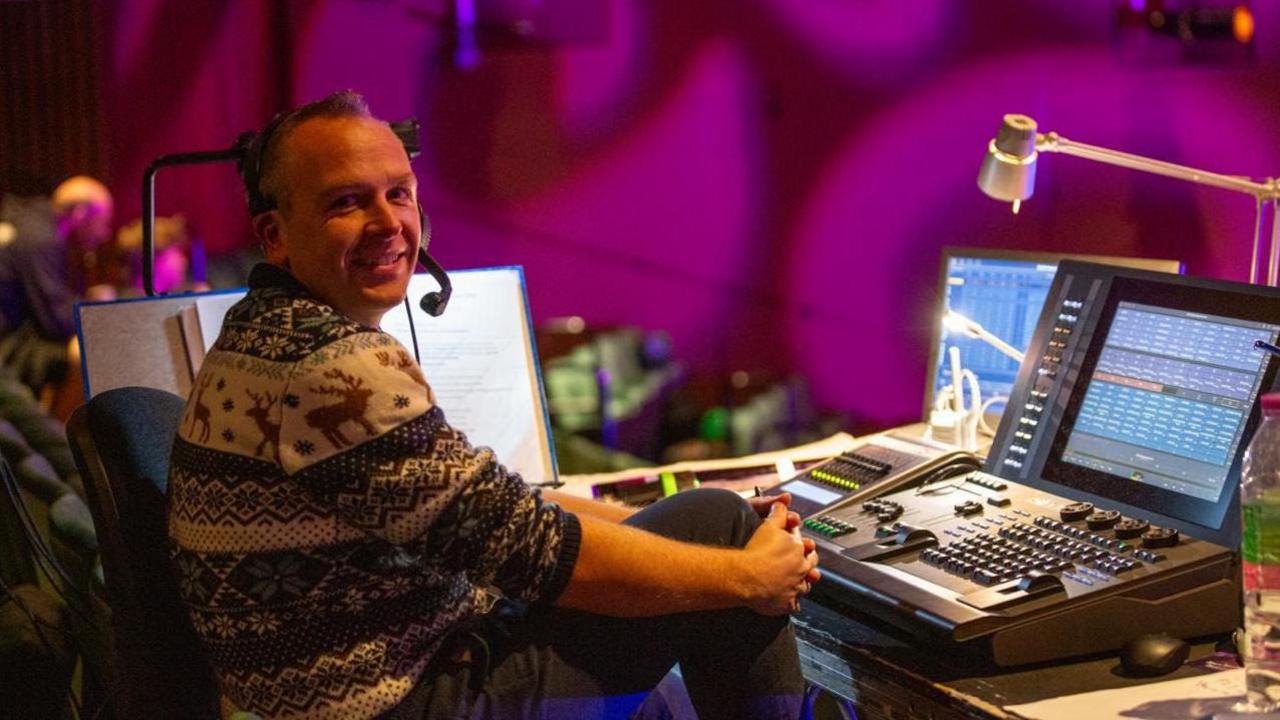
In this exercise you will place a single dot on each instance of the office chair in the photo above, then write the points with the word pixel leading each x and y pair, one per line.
pixel 121 441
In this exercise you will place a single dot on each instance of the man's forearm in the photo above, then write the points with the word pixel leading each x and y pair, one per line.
pixel 626 572
pixel 585 506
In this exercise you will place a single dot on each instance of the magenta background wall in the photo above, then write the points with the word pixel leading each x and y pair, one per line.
pixel 769 180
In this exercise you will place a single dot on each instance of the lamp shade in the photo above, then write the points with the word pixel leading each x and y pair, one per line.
pixel 1008 171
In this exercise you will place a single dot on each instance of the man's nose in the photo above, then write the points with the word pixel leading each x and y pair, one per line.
pixel 384 218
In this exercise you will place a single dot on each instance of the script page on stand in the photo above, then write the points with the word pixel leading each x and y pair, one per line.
pixel 478 358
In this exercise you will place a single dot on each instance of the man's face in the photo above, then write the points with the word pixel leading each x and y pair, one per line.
pixel 347 227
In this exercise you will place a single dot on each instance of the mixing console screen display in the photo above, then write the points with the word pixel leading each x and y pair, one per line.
pixel 1004 296
pixel 1169 398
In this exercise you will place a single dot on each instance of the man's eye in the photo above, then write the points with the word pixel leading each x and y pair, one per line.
pixel 400 194
pixel 342 202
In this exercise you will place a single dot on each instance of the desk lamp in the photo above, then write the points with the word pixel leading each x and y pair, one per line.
pixel 1008 173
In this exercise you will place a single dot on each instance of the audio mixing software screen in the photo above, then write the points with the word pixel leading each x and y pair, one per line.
pixel 1004 296
pixel 1169 398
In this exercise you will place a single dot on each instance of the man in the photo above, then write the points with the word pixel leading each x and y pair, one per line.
pixel 335 536
pixel 42 243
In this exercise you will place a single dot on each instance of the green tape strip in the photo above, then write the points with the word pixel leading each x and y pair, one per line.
pixel 669 486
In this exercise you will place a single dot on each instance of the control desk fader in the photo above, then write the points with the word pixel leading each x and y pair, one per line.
pixel 877 465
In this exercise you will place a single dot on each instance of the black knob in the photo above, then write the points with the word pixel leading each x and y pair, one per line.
pixel 889 514
pixel 1102 519
pixel 1129 528
pixel 1158 537
pixel 1076 511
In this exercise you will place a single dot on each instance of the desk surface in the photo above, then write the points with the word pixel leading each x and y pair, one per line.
pixel 887 675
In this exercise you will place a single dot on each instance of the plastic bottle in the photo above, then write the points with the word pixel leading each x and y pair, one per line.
pixel 1260 553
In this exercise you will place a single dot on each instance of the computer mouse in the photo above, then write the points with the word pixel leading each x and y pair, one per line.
pixel 1153 655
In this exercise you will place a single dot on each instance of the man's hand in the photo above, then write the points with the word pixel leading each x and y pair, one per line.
pixel 763 503
pixel 779 564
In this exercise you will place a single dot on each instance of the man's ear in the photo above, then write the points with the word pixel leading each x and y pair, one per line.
pixel 266 227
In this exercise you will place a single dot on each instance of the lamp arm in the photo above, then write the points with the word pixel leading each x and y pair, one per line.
pixel 1053 142
pixel 995 342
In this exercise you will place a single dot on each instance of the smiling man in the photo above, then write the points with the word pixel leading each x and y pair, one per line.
pixel 340 546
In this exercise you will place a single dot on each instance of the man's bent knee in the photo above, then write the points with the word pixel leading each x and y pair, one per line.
pixel 708 516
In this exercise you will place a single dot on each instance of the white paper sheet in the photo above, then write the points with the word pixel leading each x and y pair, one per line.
pixel 1183 699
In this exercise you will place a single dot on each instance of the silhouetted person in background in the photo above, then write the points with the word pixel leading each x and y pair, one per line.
pixel 44 245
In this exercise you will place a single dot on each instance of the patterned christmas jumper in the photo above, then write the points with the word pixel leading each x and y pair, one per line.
pixel 328 526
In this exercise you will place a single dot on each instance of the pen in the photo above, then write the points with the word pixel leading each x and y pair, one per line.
pixel 1264 345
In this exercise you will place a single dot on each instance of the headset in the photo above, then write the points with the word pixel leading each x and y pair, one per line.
pixel 250 166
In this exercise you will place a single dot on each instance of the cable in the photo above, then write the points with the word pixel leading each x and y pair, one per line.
pixel 413 333
pixel 36 625
pixel 982 414
pixel 43 556
pixel 26 610
pixel 53 571
pixel 961 465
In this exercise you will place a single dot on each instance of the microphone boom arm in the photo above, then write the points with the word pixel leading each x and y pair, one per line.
pixel 149 201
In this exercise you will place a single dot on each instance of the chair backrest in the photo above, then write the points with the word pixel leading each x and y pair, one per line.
pixel 121 441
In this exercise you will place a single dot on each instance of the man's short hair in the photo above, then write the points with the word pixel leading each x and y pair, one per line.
pixel 263 161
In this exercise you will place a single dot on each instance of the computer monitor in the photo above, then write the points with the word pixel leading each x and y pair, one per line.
pixel 1003 291
pixel 1140 393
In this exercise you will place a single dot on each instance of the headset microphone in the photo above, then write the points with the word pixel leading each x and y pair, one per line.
pixel 434 303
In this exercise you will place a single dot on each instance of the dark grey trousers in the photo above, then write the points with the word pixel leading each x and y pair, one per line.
pixel 553 663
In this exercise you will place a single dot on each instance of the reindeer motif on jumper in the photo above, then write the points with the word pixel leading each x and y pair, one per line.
pixel 260 413
pixel 352 406
pixel 403 363
pixel 200 411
